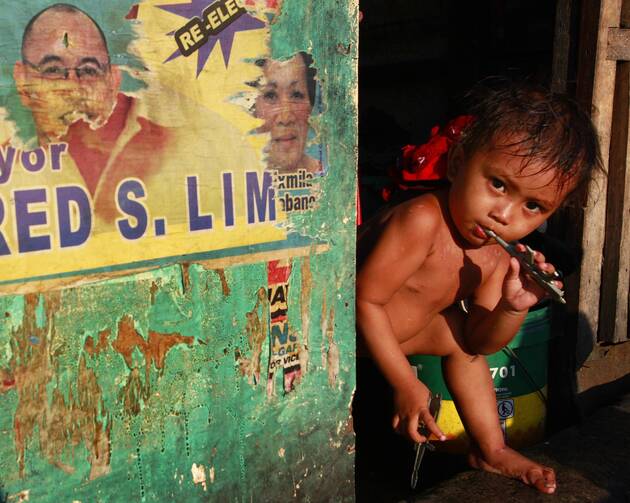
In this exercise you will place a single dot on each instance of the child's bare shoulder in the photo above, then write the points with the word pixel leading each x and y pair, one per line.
pixel 409 226
pixel 422 214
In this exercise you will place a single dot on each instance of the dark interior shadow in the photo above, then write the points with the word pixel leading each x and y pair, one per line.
pixel 569 348
pixel 384 459
pixel 598 449
pixel 606 394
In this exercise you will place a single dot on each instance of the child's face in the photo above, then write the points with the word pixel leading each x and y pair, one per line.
pixel 492 189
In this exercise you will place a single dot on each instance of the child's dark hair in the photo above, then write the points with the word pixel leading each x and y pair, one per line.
pixel 537 124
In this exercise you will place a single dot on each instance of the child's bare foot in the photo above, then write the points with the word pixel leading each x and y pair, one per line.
pixel 511 464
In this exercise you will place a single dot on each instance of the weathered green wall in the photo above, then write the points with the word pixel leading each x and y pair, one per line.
pixel 137 388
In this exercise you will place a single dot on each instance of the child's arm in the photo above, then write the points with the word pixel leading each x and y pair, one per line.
pixel 501 304
pixel 399 253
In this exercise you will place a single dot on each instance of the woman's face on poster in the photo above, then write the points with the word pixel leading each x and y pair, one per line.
pixel 284 106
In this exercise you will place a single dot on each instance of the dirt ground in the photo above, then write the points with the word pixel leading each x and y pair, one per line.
pixel 592 463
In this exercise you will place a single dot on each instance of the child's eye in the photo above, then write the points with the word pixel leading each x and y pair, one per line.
pixel 533 206
pixel 497 184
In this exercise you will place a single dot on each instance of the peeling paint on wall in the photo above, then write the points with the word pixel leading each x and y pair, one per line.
pixel 332 353
pixel 225 360
pixel 305 310
pixel 257 327
pixel 61 421
pixel 19 497
pixel 136 392
pixel 199 475
pixel 224 284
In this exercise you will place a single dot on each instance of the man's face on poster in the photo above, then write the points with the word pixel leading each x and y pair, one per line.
pixel 65 74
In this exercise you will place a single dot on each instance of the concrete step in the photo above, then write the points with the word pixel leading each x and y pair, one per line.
pixel 592 464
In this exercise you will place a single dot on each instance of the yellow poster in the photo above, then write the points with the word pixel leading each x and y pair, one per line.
pixel 138 134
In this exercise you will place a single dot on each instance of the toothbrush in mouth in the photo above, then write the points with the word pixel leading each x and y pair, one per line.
pixel 526 259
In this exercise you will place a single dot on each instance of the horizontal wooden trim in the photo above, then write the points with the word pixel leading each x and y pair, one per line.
pixel 618 47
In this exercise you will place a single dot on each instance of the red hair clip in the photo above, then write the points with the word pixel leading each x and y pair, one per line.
pixel 427 162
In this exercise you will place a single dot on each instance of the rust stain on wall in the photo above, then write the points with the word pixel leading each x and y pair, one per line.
pixel 153 291
pixel 127 339
pixel 154 351
pixel 60 422
pixel 30 367
pixel 101 345
pixel 7 381
pixel 133 393
pixel 94 424
pixel 160 344
pixel 185 277
pixel 224 284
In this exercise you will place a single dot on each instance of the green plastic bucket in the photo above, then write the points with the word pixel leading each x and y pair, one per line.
pixel 519 374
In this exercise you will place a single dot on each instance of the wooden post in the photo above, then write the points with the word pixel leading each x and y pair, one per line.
pixel 595 213
pixel 613 326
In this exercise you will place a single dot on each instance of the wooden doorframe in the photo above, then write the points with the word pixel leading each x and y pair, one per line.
pixel 598 296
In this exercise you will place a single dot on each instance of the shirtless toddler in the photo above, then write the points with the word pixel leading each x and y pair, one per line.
pixel 526 152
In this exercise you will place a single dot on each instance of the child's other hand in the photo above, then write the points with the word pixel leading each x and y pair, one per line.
pixel 411 407
pixel 519 290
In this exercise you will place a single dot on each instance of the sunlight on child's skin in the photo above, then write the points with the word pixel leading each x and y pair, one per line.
pixel 489 189
pixel 427 254
pixel 511 464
